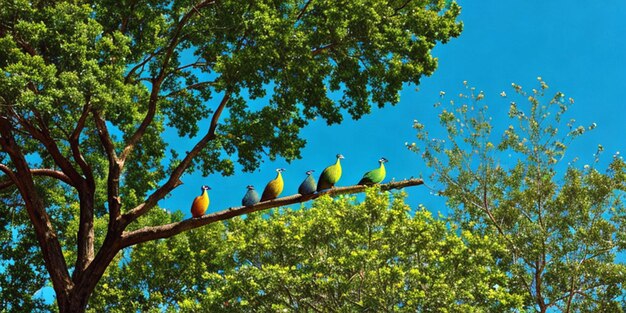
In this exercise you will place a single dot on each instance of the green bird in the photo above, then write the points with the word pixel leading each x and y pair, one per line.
pixel 274 187
pixel 308 185
pixel 330 176
pixel 374 176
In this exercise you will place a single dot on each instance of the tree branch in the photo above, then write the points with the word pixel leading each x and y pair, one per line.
pixel 140 65
pixel 44 231
pixel 190 87
pixel 174 180
pixel 74 145
pixel 168 230
pixel 35 172
pixel 84 186
pixel 115 167
pixel 46 139
pixel 156 83
pixel 10 173
pixel 321 49
pixel 306 6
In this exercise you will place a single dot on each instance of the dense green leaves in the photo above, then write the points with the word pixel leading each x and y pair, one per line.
pixel 335 256
pixel 89 88
pixel 120 58
pixel 562 224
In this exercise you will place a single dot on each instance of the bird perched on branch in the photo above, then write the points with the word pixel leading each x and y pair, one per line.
pixel 251 197
pixel 200 203
pixel 330 176
pixel 308 185
pixel 274 187
pixel 374 176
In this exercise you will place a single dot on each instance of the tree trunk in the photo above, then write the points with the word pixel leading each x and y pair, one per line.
pixel 86 282
pixel 74 305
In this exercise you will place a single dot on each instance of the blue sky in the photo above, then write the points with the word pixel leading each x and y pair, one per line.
pixel 578 47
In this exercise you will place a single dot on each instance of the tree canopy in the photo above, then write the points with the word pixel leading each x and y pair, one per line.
pixel 88 88
pixel 562 223
pixel 337 255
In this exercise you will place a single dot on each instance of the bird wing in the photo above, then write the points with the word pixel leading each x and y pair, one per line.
pixel 273 189
pixel 371 177
pixel 200 205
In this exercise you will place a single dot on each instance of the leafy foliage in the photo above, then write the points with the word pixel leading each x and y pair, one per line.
pixel 562 224
pixel 89 87
pixel 335 256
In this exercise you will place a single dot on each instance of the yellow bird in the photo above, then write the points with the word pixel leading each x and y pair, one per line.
pixel 200 203
pixel 274 187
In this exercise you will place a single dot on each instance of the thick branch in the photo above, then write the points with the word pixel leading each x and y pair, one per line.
pixel 35 172
pixel 84 185
pixel 46 139
pixel 115 168
pixel 168 230
pixel 174 180
pixel 75 146
pixel 44 231
pixel 157 81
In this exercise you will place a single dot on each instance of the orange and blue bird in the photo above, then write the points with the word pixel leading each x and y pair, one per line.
pixel 200 203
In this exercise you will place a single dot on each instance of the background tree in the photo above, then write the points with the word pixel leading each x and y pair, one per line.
pixel 338 255
pixel 562 224
pixel 88 87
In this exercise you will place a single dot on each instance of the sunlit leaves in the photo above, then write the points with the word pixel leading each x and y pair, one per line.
pixel 144 65
pixel 375 255
pixel 561 223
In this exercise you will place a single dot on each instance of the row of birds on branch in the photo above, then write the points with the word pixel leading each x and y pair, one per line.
pixel 327 180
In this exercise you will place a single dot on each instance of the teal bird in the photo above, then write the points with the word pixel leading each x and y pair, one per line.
pixel 374 176
pixel 274 187
pixel 251 197
pixel 330 175
pixel 308 185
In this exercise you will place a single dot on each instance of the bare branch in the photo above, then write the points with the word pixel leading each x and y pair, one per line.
pixel 218 112
pixel 105 137
pixel 168 230
pixel 198 63
pixel 86 236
